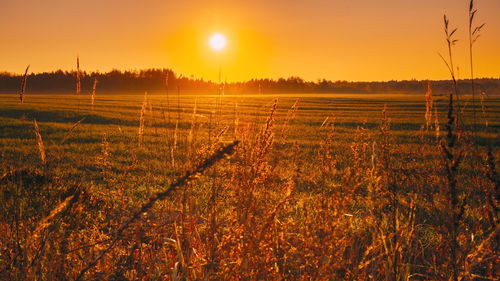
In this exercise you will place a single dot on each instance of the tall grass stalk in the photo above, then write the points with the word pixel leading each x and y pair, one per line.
pixel 191 135
pixel 474 33
pixel 289 117
pixel 39 142
pixel 428 106
pixel 179 182
pixel 78 80
pixel 452 158
pixel 66 136
pixel 174 144
pixel 23 85
pixel 167 96
pixel 141 119
pixel 437 127
pixel 482 97
pixel 92 95
pixel 236 120
pixel 450 42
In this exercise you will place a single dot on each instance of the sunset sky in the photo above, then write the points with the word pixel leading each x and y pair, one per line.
pixel 358 40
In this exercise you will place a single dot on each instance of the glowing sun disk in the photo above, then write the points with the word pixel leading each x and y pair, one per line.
pixel 218 41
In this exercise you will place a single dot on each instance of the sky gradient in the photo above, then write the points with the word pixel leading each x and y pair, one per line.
pixel 355 40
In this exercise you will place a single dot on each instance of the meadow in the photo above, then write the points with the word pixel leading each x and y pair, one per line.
pixel 248 187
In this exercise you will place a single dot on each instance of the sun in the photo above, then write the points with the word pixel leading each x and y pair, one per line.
pixel 218 41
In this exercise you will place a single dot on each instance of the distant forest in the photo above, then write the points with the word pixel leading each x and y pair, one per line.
pixel 155 80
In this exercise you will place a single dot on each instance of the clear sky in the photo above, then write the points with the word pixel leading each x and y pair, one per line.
pixel 355 40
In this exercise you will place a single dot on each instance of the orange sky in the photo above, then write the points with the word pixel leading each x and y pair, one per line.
pixel 355 40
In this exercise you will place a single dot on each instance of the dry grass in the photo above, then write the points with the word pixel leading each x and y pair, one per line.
pixel 358 204
pixel 140 133
pixel 22 93
pixel 93 93
pixel 342 188
pixel 39 142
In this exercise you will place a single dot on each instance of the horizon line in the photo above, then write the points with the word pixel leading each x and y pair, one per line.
pixel 192 77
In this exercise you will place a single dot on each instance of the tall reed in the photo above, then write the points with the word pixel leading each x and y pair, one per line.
pixel 452 157
pixel 179 182
pixel 167 95
pixel 78 77
pixel 78 81
pixel 92 95
pixel 474 33
pixel 39 142
pixel 140 133
pixel 428 106
pixel 23 85
pixel 66 136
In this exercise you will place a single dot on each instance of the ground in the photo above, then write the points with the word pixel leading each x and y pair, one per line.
pixel 342 186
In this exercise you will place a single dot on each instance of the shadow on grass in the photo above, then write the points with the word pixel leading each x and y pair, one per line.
pixel 61 116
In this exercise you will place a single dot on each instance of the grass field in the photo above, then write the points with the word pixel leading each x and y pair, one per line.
pixel 319 187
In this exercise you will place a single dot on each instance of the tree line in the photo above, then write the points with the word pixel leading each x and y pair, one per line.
pixel 154 80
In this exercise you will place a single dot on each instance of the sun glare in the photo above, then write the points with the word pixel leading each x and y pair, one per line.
pixel 218 41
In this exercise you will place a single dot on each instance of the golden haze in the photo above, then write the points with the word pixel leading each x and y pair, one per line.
pixel 338 40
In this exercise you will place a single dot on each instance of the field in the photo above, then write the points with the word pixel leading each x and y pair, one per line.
pixel 310 187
